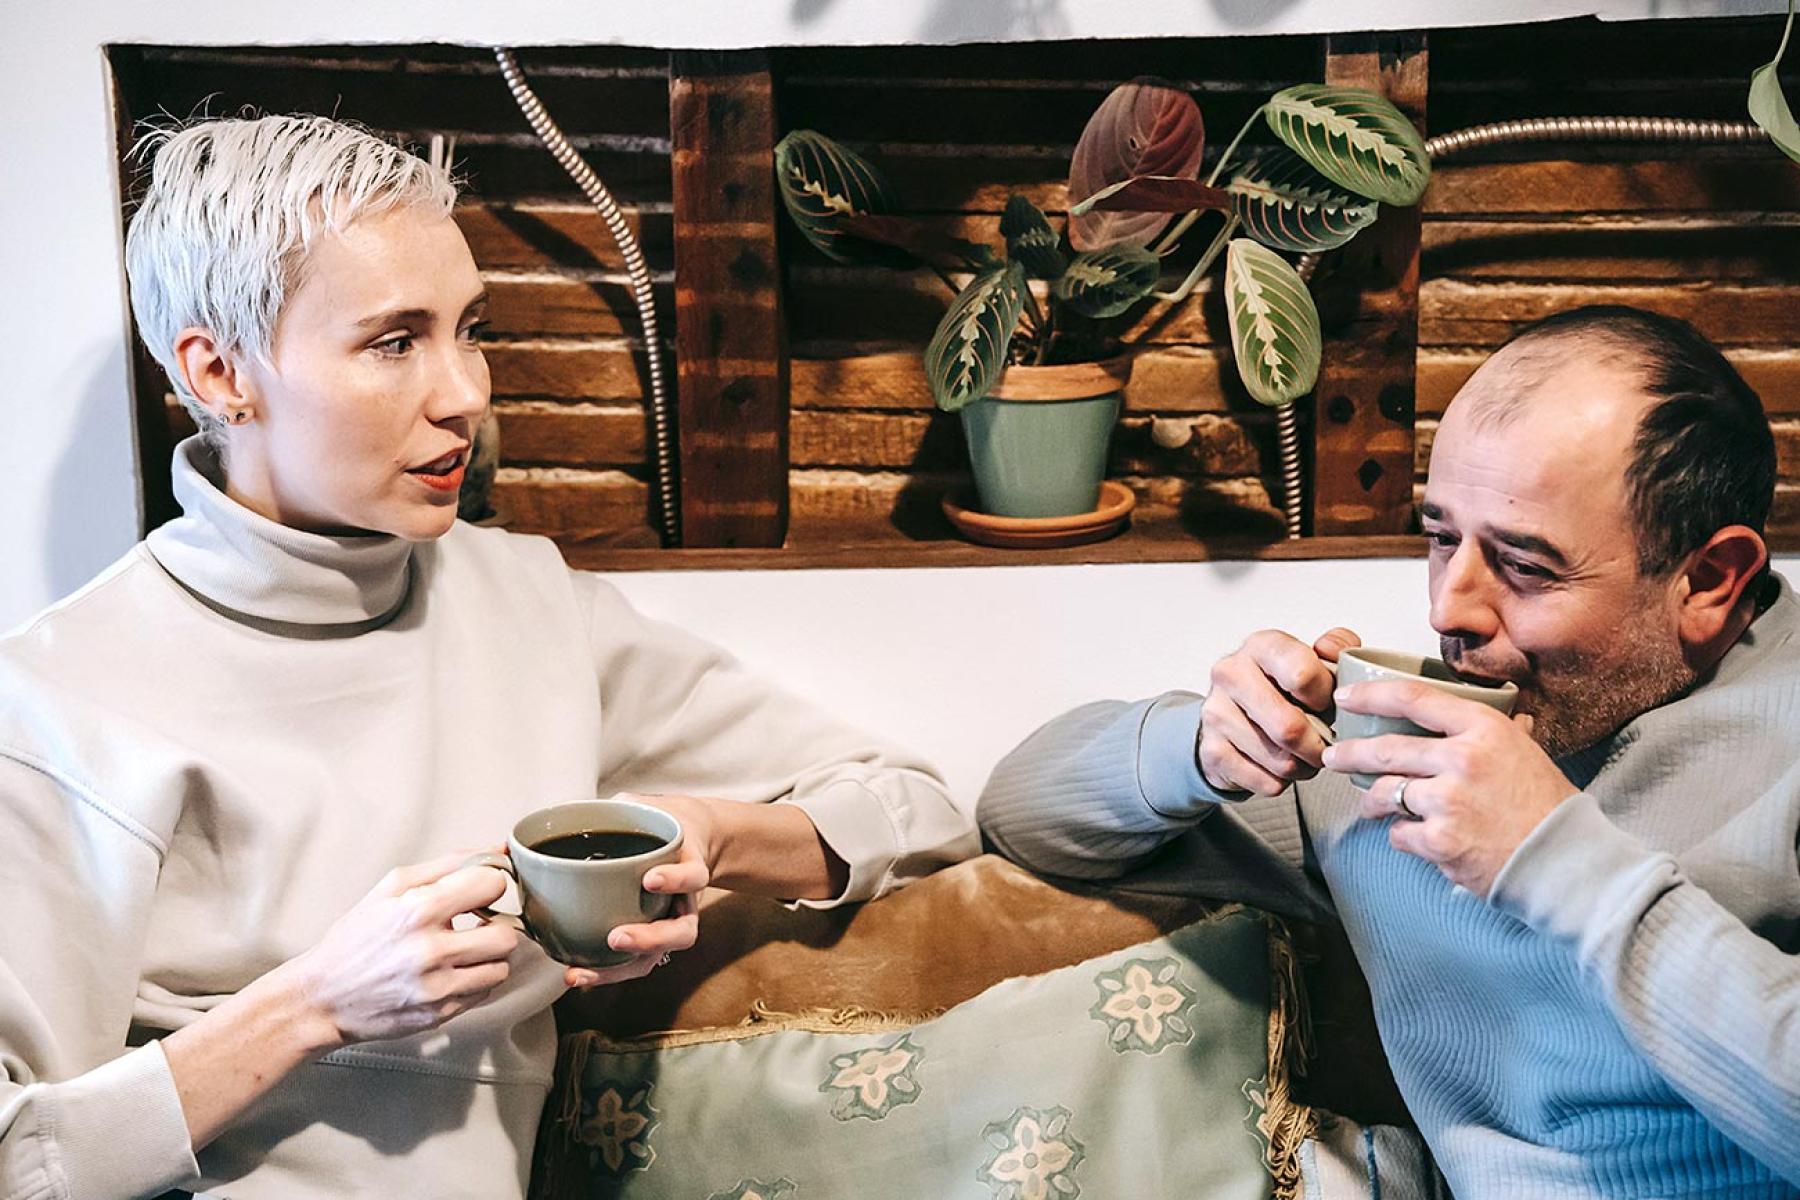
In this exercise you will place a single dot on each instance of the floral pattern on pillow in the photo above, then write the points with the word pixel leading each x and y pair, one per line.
pixel 616 1122
pixel 873 1082
pixel 1146 1006
pixel 1034 1156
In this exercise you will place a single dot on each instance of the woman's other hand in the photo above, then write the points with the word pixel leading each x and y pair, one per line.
pixel 394 965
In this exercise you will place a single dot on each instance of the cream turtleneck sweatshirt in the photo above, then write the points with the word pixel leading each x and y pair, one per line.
pixel 220 744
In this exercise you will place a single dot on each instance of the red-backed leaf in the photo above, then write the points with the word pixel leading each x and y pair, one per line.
pixel 1141 128
pixel 1153 194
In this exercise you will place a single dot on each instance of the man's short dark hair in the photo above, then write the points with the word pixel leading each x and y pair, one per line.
pixel 1703 457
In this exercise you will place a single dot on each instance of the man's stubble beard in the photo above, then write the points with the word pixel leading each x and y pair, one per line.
pixel 1578 698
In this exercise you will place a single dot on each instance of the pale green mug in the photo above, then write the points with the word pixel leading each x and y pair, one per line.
pixel 570 905
pixel 1366 664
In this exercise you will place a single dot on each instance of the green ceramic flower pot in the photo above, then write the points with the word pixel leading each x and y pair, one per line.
pixel 1038 443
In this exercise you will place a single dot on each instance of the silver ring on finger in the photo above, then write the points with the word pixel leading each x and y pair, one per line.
pixel 1400 802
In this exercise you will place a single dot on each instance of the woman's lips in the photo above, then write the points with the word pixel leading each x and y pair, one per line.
pixel 444 475
pixel 448 482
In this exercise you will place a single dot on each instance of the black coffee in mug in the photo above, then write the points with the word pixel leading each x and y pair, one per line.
pixel 592 844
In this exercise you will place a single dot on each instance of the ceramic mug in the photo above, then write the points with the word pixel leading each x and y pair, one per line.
pixel 1366 664
pixel 569 904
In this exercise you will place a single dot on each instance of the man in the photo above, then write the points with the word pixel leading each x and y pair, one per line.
pixel 1579 924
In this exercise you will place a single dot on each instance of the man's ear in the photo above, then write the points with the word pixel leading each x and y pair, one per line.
pixel 1712 589
pixel 211 375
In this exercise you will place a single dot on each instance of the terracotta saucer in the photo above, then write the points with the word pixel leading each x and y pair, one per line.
pixel 1039 533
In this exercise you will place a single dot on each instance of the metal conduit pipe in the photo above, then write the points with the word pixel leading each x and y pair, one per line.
pixel 590 185
pixel 1536 129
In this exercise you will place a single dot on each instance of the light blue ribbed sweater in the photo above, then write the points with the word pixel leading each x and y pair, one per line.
pixel 1619 1018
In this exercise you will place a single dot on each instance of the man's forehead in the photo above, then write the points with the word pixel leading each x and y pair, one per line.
pixel 1577 376
pixel 1539 445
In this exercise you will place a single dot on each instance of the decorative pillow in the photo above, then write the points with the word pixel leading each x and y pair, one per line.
pixel 852 980
pixel 1140 1073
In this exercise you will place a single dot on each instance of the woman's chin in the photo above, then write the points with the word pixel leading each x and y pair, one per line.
pixel 428 525
pixel 414 522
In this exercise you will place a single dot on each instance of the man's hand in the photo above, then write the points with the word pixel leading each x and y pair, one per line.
pixel 1477 792
pixel 1254 735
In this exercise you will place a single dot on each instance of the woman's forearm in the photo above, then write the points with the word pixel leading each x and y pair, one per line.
pixel 774 850
pixel 224 1061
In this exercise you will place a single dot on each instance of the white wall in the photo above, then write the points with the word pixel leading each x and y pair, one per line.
pixel 961 664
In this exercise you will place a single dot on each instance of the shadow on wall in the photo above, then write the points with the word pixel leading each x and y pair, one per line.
pixel 960 21
pixel 1248 16
pixel 1001 20
pixel 83 538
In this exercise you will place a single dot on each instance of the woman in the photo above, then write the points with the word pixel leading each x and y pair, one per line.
pixel 239 769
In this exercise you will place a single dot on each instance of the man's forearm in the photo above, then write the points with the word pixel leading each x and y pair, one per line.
pixel 1713 1005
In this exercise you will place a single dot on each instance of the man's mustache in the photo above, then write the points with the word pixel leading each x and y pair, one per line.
pixel 1472 668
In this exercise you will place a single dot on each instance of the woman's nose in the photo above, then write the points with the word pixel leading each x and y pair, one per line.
pixel 461 387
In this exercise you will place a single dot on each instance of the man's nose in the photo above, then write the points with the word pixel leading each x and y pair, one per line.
pixel 1462 595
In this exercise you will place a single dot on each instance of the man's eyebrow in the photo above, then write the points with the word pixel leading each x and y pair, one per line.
pixel 1531 543
pixel 412 316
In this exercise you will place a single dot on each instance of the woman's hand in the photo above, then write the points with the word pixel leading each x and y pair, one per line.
pixel 685 879
pixel 390 966
pixel 394 966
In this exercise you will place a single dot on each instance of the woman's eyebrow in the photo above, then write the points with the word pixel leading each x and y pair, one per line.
pixel 416 316
pixel 396 316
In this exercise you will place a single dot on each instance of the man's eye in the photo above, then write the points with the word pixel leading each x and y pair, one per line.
pixel 476 332
pixel 1525 569
pixel 394 347
pixel 1438 538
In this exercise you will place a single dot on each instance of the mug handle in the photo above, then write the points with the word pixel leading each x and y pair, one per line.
pixel 500 862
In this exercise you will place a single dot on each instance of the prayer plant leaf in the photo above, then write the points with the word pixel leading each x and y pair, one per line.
pixel 1283 203
pixel 1354 138
pixel 1144 127
pixel 1274 324
pixel 1104 283
pixel 1768 107
pixel 968 351
pixel 1030 240
pixel 821 184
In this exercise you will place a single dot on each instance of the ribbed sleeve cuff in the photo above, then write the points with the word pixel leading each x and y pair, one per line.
pixel 1168 769
pixel 1580 878
pixel 119 1129
pixel 857 826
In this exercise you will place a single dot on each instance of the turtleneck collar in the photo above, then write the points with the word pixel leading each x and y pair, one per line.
pixel 243 564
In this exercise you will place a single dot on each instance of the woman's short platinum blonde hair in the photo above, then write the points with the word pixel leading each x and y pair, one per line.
pixel 233 208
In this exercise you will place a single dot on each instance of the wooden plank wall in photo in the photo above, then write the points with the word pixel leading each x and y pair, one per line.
pixel 1711 235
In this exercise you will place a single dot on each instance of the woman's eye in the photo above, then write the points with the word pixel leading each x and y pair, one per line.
pixel 477 332
pixel 394 347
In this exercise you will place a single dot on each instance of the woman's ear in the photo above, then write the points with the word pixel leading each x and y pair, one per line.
pixel 1711 589
pixel 211 375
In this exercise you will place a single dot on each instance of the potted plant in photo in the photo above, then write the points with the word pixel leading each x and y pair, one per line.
pixel 1039 382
